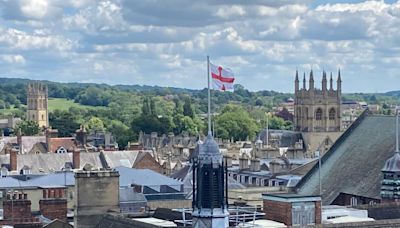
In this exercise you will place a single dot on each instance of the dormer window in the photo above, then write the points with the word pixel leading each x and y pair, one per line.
pixel 61 150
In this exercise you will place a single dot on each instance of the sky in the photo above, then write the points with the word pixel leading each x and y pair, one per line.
pixel 165 42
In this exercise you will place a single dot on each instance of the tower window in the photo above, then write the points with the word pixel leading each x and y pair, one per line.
pixel 33 116
pixel 332 114
pixel 318 114
pixel 42 117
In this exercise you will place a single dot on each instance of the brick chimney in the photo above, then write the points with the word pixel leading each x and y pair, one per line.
pixel 19 140
pixel 17 206
pixel 76 158
pixel 13 159
pixel 50 133
pixel 81 135
pixel 53 205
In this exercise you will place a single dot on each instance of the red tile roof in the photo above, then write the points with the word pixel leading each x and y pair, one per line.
pixel 68 144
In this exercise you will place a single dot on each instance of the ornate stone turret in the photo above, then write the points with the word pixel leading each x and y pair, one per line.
pixel 331 83
pixel 311 82
pixel 339 83
pixel 304 81
pixel 324 81
pixel 318 110
pixel 210 192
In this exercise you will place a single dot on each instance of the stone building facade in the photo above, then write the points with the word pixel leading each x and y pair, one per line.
pixel 317 110
pixel 37 99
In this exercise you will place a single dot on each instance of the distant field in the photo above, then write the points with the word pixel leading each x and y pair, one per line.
pixel 6 112
pixel 64 104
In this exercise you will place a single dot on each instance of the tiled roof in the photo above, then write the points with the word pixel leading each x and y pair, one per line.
pixel 68 144
pixel 354 163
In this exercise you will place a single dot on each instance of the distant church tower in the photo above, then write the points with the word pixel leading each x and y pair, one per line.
pixel 210 208
pixel 317 110
pixel 37 104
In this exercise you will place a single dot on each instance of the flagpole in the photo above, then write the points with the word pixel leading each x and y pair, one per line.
pixel 209 95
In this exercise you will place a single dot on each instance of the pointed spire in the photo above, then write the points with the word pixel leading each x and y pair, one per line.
pixel 297 75
pixel 311 81
pixel 324 81
pixel 311 76
pixel 304 80
pixel 331 83
pixel 296 82
pixel 339 82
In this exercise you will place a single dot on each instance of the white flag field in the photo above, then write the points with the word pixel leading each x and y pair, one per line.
pixel 222 78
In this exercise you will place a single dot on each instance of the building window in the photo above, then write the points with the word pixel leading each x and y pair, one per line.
pixel 332 114
pixel 353 201
pixel 318 114
pixel 33 116
pixel 42 117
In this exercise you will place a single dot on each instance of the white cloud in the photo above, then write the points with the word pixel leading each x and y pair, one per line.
pixel 18 59
pixel 126 41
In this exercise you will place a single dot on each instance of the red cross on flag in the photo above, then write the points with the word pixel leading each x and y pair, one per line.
pixel 222 78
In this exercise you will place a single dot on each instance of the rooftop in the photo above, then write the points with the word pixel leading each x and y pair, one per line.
pixel 356 157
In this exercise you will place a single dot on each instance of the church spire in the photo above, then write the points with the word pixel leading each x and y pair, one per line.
pixel 311 82
pixel 304 81
pixel 331 83
pixel 296 82
pixel 339 82
pixel 324 81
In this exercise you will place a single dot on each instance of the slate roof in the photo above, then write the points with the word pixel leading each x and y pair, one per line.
pixel 121 158
pixel 50 180
pixel 129 195
pixel 27 142
pixel 143 177
pixel 51 162
pixel 353 164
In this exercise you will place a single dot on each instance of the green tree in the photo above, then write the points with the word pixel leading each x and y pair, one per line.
pixel 188 108
pixel 64 122
pixel 95 124
pixel 121 132
pixel 235 122
pixel 27 127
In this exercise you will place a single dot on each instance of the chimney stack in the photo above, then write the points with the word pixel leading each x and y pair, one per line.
pixel 255 165
pixel 76 158
pixel 13 159
pixel 243 163
pixel 81 135
pixel 54 204
pixel 50 133
pixel 17 206
pixel 19 140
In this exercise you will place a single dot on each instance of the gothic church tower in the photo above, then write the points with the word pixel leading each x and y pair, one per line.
pixel 37 104
pixel 318 110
